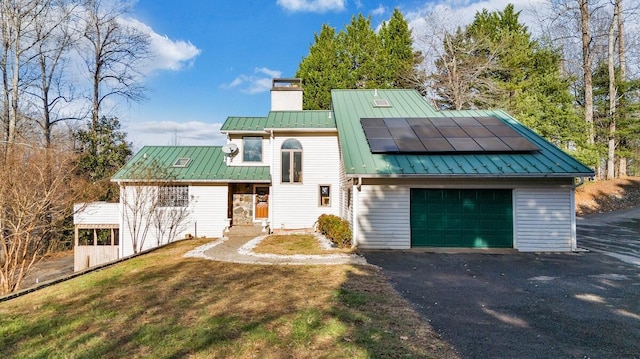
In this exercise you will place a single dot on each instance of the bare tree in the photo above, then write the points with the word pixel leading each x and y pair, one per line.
pixel 153 200
pixel 16 29
pixel 54 37
pixel 138 201
pixel 35 199
pixel 169 222
pixel 114 53
pixel 461 80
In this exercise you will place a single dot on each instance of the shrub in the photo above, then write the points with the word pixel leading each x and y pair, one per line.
pixel 336 229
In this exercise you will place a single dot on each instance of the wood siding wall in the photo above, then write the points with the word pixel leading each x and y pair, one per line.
pixel 383 217
pixel 207 210
pixel 544 219
pixel 297 205
pixel 89 256
pixel 544 216
pixel 96 213
pixel 236 160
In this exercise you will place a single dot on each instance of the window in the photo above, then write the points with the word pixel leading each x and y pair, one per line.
pixel 325 196
pixel 252 149
pixel 85 237
pixel 98 236
pixel 173 196
pixel 291 161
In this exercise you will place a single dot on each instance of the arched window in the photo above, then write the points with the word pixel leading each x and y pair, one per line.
pixel 291 156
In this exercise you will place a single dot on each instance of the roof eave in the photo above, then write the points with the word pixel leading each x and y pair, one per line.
pixel 234 132
pixel 286 129
pixel 470 175
pixel 227 180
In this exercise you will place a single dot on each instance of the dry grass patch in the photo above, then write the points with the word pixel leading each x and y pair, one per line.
pixel 164 305
pixel 289 244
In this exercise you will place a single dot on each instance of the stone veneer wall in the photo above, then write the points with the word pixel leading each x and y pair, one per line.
pixel 242 209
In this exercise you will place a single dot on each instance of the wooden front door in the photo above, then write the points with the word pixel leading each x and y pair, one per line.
pixel 262 202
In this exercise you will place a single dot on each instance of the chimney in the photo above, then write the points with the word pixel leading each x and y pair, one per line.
pixel 286 95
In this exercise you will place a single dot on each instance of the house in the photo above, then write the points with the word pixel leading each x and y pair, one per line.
pixel 402 173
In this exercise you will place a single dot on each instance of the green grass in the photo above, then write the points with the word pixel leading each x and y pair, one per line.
pixel 162 305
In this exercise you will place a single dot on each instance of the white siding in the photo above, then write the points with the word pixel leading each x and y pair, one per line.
pixel 296 205
pixel 96 213
pixel 128 195
pixel 207 209
pixel 383 217
pixel 236 160
pixel 544 219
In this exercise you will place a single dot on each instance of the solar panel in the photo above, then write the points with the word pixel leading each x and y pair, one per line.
pixel 443 135
pixel 411 145
pixel 464 144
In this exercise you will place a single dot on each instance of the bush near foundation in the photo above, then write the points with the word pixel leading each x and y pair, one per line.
pixel 336 229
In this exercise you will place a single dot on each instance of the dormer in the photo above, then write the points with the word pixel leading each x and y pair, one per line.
pixel 286 95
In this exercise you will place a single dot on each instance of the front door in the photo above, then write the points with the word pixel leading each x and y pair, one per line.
pixel 262 202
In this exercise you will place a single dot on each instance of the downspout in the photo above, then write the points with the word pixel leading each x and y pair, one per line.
pixel 121 230
pixel 271 196
pixel 356 206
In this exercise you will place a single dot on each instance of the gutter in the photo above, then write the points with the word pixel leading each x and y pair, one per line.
pixel 470 175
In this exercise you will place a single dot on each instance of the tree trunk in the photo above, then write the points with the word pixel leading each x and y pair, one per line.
pixel 611 152
pixel 586 67
pixel 622 167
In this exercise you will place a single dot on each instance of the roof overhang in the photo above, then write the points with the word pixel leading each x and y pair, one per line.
pixel 469 176
pixel 121 182
pixel 284 129
pixel 243 132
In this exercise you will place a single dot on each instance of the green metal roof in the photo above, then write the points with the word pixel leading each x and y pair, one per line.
pixel 234 123
pixel 300 120
pixel 352 105
pixel 155 163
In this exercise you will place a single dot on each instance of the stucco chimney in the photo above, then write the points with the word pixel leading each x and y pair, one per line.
pixel 286 95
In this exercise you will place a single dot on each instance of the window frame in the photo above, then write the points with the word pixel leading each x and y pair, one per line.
pixel 173 196
pixel 292 154
pixel 259 140
pixel 324 200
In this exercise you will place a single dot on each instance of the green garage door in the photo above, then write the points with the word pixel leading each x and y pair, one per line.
pixel 476 218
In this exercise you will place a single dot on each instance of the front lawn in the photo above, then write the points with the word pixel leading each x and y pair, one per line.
pixel 290 244
pixel 162 305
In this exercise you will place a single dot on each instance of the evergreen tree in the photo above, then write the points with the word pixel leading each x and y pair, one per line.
pixel 104 150
pixel 357 57
pixel 515 73
pixel 360 51
pixel 321 70
pixel 400 60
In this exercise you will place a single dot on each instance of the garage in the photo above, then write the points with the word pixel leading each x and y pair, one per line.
pixel 470 218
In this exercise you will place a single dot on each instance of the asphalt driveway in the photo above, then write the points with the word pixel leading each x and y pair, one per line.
pixel 525 305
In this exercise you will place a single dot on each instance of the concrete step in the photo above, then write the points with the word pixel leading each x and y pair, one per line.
pixel 245 231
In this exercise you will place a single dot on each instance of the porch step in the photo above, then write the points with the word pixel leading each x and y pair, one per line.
pixel 245 231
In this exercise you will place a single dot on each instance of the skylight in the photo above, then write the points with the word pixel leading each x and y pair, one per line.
pixel 182 162
pixel 381 102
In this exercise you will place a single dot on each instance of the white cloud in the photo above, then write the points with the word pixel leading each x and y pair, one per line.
pixel 161 133
pixel 259 82
pixel 167 54
pixel 380 10
pixel 319 6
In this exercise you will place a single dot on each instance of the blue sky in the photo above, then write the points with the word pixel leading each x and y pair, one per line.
pixel 216 59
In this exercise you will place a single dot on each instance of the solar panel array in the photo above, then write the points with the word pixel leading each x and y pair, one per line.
pixel 443 134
